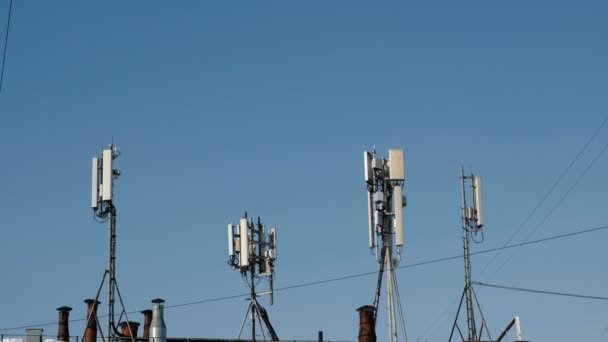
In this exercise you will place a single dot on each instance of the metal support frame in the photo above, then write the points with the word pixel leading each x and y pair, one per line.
pixel 468 294
pixel 265 266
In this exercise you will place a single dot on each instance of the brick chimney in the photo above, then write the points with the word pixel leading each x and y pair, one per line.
pixel 367 326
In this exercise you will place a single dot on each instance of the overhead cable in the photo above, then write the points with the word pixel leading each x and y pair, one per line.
pixel 330 280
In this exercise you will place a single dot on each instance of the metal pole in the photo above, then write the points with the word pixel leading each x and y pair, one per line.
pixel 253 308
pixel 467 265
pixel 111 271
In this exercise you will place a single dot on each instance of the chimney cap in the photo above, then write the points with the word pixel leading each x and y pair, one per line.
pixel 158 301
pixel 89 300
pixel 366 308
pixel 131 323
pixel 147 311
pixel 64 308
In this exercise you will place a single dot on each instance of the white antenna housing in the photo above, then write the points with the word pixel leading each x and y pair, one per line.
pixel 396 167
pixel 367 165
pixel 95 184
pixel 231 240
pixel 370 221
pixel 477 201
pixel 398 210
pixel 106 183
pixel 243 232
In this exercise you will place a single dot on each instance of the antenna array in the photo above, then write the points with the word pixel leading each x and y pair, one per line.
pixel 252 249
pixel 385 180
pixel 102 202
pixel 472 223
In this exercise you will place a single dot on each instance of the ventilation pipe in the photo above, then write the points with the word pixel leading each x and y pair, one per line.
pixel 158 330
pixel 367 328
pixel 63 331
pixel 90 334
pixel 147 321
pixel 129 330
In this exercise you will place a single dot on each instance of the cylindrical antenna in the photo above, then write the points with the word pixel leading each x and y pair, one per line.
pixel 244 236
pixel 477 201
pixel 398 210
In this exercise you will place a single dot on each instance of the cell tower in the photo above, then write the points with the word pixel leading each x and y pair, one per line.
pixel 253 251
pixel 102 202
pixel 472 223
pixel 385 180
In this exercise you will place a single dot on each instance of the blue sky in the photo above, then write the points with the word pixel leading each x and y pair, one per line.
pixel 224 107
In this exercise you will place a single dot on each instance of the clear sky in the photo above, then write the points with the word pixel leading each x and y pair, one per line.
pixel 222 107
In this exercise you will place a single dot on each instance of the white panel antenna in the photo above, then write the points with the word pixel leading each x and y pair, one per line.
pixel 273 234
pixel 95 184
pixel 398 210
pixel 367 165
pixel 230 240
pixel 106 182
pixel 244 236
pixel 478 201
pixel 396 168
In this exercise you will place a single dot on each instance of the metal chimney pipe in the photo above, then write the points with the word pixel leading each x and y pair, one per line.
pixel 367 328
pixel 158 329
pixel 147 321
pixel 90 334
pixel 129 330
pixel 63 331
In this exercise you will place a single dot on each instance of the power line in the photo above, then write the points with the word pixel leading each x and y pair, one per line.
pixel 550 191
pixel 597 156
pixel 554 293
pixel 358 275
pixel 8 25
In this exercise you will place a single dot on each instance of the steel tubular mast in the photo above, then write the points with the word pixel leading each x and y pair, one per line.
pixel 103 206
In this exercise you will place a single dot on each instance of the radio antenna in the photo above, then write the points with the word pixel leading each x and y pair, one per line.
pixel 104 210
pixel 385 201
pixel 252 250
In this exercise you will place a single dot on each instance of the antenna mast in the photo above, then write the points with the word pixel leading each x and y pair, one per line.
pixel 385 180
pixel 472 223
pixel 253 250
pixel 104 210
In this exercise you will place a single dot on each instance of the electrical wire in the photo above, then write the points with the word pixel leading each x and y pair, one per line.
pixel 8 25
pixel 551 189
pixel 554 293
pixel 358 275
pixel 597 156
